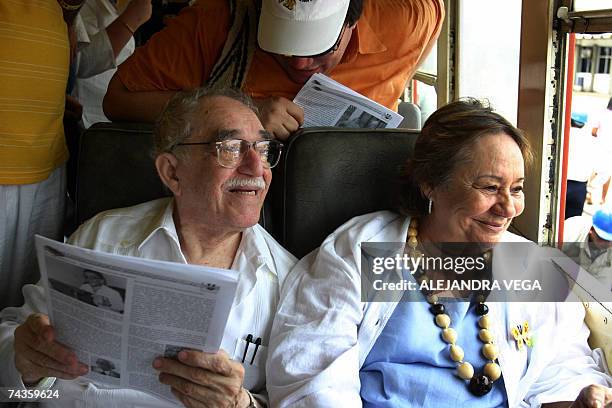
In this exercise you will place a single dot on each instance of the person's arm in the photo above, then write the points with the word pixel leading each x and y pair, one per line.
pixel 99 46
pixel 593 396
pixel 180 57
pixel 320 304
pixel 121 104
pixel 566 381
pixel 122 29
pixel 437 18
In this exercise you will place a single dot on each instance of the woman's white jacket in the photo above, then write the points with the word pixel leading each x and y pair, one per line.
pixel 323 331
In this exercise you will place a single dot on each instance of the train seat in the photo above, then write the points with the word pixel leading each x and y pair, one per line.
pixel 327 176
pixel 114 169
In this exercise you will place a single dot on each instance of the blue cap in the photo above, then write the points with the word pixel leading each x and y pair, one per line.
pixel 602 223
pixel 580 117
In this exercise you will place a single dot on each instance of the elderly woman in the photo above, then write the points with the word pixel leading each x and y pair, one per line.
pixel 330 348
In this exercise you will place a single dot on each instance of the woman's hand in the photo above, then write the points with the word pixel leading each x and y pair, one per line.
pixel 593 396
pixel 38 355
pixel 204 379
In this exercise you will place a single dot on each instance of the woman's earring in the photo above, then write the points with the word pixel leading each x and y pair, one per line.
pixel 429 206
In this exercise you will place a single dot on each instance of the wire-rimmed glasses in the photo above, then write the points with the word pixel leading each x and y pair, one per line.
pixel 231 152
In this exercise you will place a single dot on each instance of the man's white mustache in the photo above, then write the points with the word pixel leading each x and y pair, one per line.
pixel 256 183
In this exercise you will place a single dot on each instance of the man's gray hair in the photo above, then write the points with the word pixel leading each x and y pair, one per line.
pixel 182 116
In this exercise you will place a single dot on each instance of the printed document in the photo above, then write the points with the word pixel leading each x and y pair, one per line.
pixel 119 313
pixel 329 103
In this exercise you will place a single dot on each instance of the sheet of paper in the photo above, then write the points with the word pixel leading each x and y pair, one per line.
pixel 118 313
pixel 329 103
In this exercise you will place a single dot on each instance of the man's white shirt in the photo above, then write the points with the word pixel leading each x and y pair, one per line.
pixel 148 231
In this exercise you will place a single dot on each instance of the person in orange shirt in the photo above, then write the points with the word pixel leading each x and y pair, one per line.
pixel 271 49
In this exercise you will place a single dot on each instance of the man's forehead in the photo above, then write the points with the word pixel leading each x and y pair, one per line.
pixel 225 134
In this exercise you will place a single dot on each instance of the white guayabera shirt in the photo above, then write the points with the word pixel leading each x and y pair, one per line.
pixel 148 231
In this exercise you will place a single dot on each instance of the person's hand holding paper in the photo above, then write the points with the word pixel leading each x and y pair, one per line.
pixel 280 116
pixel 38 355
pixel 201 379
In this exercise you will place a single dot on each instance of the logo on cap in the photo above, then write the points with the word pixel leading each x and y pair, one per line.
pixel 290 4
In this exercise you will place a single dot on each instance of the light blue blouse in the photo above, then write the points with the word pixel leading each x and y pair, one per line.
pixel 410 365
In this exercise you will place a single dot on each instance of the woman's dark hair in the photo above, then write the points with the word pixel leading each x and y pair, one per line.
pixel 354 11
pixel 445 143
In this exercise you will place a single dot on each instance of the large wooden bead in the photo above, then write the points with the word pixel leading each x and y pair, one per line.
pixel 481 309
pixel 437 309
pixel 480 385
pixel 456 353
pixel 490 351
pixel 484 322
pixel 449 335
pixel 432 299
pixel 465 371
pixel 412 232
pixel 443 320
pixel 492 370
pixel 485 335
pixel 413 242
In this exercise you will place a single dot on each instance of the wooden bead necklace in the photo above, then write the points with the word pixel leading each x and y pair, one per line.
pixel 480 384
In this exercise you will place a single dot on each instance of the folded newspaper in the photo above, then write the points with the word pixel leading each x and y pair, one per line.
pixel 117 313
pixel 329 103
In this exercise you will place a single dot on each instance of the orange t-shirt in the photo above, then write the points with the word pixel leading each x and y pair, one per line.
pixel 34 59
pixel 390 39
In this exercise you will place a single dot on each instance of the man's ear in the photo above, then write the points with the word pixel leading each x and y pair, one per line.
pixel 166 164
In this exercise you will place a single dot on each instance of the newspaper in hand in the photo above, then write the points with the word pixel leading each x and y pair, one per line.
pixel 329 103
pixel 118 313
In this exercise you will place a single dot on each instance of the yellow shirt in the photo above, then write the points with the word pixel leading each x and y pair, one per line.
pixel 34 61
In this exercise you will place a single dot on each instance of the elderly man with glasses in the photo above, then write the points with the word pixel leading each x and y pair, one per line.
pixel 215 157
pixel 270 48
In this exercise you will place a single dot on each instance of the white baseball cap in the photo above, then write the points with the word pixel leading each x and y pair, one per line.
pixel 300 27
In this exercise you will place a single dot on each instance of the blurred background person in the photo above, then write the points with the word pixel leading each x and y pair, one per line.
pixel 33 152
pixel 105 38
pixel 602 130
pixel 579 165
pixel 588 240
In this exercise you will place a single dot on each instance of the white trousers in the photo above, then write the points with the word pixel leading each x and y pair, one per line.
pixel 26 210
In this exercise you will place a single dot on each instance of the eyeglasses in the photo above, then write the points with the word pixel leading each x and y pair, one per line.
pixel 231 152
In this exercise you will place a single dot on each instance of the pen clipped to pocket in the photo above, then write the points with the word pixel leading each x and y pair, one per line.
pixel 250 351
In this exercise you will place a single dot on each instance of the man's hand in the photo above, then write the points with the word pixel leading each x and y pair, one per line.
pixel 203 379
pixel 280 116
pixel 594 396
pixel 38 355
